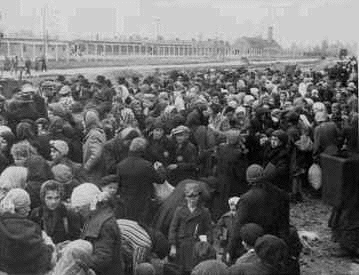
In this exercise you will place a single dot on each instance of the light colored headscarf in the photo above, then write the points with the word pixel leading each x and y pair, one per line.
pixel 79 250
pixel 16 201
pixel 13 177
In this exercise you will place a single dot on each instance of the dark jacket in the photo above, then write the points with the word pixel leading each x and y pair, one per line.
pixel 276 167
pixel 22 249
pixel 136 178
pixel 186 159
pixel 61 224
pixel 265 205
pixel 114 152
pixel 102 231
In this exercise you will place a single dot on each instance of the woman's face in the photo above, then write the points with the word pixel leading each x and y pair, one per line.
pixel 275 142
pixel 52 199
pixel 157 133
pixel 192 200
pixel 19 160
pixel 181 138
pixel 55 155
pixel 3 144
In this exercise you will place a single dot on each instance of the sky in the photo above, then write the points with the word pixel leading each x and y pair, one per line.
pixel 301 21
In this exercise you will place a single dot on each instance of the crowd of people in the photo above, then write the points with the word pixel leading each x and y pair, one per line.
pixel 188 172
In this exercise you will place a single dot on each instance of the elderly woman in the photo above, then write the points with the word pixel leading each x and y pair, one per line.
pixel 190 222
pixel 24 249
pixel 100 229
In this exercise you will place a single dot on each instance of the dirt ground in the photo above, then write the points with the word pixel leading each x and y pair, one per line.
pixel 319 258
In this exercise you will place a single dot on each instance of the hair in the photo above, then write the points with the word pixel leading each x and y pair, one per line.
pixel 24 130
pixel 13 177
pixel 138 144
pixel 51 185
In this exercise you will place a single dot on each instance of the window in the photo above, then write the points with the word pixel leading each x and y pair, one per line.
pixel 24 48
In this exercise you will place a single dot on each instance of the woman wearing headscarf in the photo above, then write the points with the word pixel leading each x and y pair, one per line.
pixel 59 223
pixel 100 229
pixel 190 222
pixel 93 146
pixel 39 172
pixel 24 248
pixel 75 259
pixel 13 177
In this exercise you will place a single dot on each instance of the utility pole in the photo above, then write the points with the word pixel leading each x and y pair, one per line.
pixel 44 30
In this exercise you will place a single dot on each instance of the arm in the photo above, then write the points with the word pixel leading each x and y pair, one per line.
pixel 173 230
pixel 95 146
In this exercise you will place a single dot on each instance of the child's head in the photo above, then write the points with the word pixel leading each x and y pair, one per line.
pixel 249 233
pixel 109 184
pixel 232 202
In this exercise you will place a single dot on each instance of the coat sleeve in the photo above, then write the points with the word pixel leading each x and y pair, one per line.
pixel 103 247
pixel 175 223
pixel 316 142
pixel 95 147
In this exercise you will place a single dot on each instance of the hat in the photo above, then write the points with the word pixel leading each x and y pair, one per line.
pixel 234 200
pixel 271 250
pixel 250 232
pixel 192 189
pixel 179 130
pixel 108 180
pixel 254 173
pixel 84 194
pixel 62 173
pixel 281 135
pixel 60 145
pixel 138 144
pixel 321 117
pixel 65 90
pixel 292 117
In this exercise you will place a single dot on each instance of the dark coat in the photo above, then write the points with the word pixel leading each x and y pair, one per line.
pixel 325 139
pixel 265 205
pixel 186 159
pixel 114 151
pixel 276 167
pixel 136 178
pixel 184 231
pixel 22 249
pixel 102 231
pixel 160 150
pixel 257 268
pixel 61 224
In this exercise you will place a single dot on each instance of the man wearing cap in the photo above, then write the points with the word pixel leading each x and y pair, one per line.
pixel 265 205
pixel 184 162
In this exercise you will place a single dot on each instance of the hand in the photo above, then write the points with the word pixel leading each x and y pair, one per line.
pixel 172 166
pixel 173 251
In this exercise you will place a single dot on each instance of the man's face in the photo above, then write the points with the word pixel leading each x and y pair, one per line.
pixel 52 199
pixel 157 133
pixel 274 142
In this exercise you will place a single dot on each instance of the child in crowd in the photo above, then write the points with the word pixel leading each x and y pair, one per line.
pixel 250 232
pixel 109 184
pixel 225 223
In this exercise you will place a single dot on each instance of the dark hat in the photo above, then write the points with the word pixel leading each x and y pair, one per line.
pixel 250 232
pixel 108 180
pixel 158 124
pixel 271 250
pixel 254 173
pixel 100 79
pixel 281 135
pixel 292 117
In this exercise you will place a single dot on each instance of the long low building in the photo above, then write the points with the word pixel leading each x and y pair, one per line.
pixel 31 48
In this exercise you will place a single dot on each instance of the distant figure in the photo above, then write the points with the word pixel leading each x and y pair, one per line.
pixel 28 67
pixel 14 65
pixel 43 64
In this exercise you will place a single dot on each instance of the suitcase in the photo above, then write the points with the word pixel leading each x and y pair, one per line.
pixel 340 178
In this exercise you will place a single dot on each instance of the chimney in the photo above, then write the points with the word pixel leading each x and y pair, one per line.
pixel 270 34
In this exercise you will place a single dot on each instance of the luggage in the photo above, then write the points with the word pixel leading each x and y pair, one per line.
pixel 340 178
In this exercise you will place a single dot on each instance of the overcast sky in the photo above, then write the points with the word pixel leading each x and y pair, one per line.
pixel 305 21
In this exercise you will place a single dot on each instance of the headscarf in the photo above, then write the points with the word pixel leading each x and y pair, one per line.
pixel 17 200
pixel 85 194
pixel 73 253
pixel 13 177
pixel 210 267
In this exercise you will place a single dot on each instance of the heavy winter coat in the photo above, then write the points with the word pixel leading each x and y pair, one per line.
pixel 102 231
pixel 265 205
pixel 136 178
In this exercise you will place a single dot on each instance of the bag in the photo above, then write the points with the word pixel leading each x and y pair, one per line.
pixel 315 176
pixel 163 191
pixel 304 143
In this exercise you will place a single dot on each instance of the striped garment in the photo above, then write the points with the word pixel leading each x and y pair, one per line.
pixel 135 241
